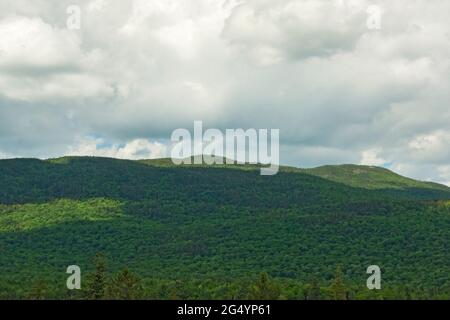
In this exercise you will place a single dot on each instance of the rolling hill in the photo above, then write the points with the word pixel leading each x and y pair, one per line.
pixel 210 231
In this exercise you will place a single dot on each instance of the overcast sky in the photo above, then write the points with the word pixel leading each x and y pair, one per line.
pixel 339 89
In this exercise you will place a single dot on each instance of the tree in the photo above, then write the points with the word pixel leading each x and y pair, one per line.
pixel 125 286
pixel 179 291
pixel 264 289
pixel 313 290
pixel 38 290
pixel 338 290
pixel 96 282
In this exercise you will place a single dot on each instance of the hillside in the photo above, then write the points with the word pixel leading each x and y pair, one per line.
pixel 206 232
pixel 372 178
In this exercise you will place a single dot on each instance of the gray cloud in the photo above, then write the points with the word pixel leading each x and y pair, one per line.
pixel 338 91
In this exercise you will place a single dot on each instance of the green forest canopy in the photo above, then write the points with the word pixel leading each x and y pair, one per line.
pixel 214 232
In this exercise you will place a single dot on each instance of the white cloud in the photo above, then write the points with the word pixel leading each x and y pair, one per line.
pixel 338 92
pixel 4 155
pixel 96 5
pixel 371 158
pixel 294 29
pixel 29 44
pixel 135 149
pixel 444 174
pixel 38 61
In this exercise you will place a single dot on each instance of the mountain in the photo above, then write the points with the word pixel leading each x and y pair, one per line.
pixel 371 177
pixel 208 231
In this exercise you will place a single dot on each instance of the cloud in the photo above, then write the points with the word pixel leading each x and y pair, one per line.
pixel 135 149
pixel 371 158
pixel 444 174
pixel 433 147
pixel 293 30
pixel 338 91
pixel 29 44
pixel 6 155
pixel 38 61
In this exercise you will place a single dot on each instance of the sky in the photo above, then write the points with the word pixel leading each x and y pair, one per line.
pixel 345 81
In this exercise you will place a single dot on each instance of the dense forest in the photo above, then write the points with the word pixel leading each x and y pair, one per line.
pixel 152 230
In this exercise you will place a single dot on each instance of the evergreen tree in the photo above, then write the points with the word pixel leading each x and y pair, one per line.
pixel 264 289
pixel 38 290
pixel 313 290
pixel 338 290
pixel 96 282
pixel 179 291
pixel 125 286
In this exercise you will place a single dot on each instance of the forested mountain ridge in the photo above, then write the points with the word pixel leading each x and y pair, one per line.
pixel 62 177
pixel 208 231
pixel 371 177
